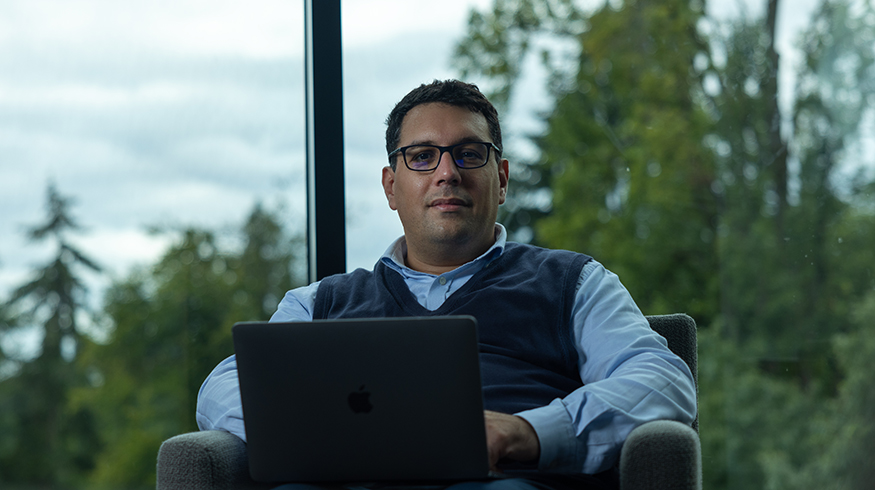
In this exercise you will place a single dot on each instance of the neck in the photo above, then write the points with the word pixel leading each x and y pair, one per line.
pixel 438 258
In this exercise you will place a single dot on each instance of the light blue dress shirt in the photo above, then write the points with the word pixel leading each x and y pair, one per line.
pixel 630 377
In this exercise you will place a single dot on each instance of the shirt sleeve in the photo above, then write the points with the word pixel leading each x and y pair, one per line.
pixel 630 377
pixel 218 400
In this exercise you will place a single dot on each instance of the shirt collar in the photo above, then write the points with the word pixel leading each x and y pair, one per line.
pixel 394 255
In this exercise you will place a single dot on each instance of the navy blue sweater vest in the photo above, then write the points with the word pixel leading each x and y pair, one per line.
pixel 522 302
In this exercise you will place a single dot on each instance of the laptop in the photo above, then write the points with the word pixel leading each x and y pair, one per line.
pixel 362 400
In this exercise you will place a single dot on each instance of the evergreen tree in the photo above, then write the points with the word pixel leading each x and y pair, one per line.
pixel 631 181
pixel 622 158
pixel 44 443
pixel 751 178
pixel 667 157
pixel 495 48
pixel 162 323
pixel 264 266
pixel 171 325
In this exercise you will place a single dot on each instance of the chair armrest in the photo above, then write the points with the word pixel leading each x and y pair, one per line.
pixel 661 455
pixel 207 460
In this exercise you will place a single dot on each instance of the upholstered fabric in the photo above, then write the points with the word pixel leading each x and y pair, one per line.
pixel 660 455
pixel 208 460
pixel 679 330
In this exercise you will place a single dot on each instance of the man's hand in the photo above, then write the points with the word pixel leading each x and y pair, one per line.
pixel 511 437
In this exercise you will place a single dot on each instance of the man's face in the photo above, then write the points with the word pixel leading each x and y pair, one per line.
pixel 447 205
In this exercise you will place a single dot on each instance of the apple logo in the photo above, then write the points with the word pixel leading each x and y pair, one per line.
pixel 359 401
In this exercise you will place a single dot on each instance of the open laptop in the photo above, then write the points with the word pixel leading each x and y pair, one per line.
pixel 362 400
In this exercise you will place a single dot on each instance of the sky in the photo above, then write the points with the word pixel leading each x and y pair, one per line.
pixel 188 112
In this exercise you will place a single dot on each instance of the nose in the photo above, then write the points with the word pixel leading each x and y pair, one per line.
pixel 447 171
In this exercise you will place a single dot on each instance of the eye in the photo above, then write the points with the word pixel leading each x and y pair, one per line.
pixel 421 154
pixel 473 154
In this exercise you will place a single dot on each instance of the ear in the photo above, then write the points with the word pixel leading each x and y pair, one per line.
pixel 389 186
pixel 502 180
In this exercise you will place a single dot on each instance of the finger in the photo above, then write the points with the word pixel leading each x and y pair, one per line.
pixel 496 440
pixel 510 436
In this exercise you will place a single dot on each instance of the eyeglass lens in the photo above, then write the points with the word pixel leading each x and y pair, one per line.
pixel 427 157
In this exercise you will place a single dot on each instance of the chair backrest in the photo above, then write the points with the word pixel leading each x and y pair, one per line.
pixel 679 331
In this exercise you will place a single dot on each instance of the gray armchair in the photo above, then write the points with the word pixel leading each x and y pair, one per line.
pixel 659 455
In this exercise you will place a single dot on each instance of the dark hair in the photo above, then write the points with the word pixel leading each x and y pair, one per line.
pixel 452 92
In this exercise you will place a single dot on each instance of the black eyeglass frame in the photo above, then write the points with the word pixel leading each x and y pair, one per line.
pixel 448 149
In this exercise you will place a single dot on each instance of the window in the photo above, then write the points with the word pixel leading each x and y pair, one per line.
pixel 718 156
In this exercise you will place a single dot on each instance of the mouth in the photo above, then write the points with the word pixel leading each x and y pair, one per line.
pixel 448 204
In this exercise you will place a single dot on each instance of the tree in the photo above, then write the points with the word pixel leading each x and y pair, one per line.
pixel 170 326
pixel 497 42
pixel 495 47
pixel 44 443
pixel 163 321
pixel 668 158
pixel 629 180
pixel 264 266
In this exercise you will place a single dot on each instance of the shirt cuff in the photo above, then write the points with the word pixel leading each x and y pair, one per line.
pixel 556 436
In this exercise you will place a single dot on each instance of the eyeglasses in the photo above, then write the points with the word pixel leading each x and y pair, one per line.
pixel 422 158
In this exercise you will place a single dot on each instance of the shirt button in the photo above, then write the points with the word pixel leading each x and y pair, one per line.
pixel 443 281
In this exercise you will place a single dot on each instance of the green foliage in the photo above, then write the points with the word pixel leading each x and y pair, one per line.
pixel 667 157
pixel 497 42
pixel 631 182
pixel 171 325
pixel 758 429
pixel 793 229
pixel 44 442
pixel 96 420
pixel 851 442
pixel 799 439
pixel 622 155
pixel 495 48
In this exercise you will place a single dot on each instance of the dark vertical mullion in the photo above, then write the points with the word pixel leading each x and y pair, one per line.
pixel 326 229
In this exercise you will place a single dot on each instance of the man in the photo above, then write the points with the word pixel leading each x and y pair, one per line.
pixel 569 363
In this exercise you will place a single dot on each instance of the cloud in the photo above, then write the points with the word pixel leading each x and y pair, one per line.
pixel 161 140
pixel 190 111
pixel 254 29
